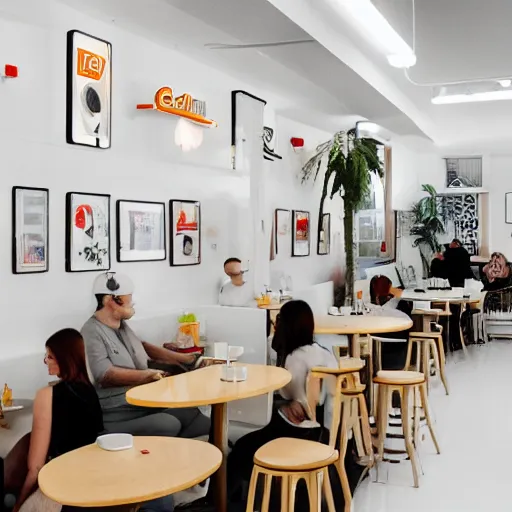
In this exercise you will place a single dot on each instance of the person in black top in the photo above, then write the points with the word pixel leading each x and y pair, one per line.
pixel 457 264
pixel 67 416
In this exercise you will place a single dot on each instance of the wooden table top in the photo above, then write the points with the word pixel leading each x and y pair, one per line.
pixel 272 307
pixel 93 477
pixel 204 387
pixel 360 324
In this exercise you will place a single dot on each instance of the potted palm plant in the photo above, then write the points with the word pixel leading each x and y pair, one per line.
pixel 350 162
pixel 427 225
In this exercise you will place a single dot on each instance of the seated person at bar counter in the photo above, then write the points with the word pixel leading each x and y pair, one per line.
pixel 457 263
pixel 235 292
pixel 388 303
pixel 118 360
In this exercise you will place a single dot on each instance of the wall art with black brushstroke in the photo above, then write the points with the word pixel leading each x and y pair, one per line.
pixel 269 141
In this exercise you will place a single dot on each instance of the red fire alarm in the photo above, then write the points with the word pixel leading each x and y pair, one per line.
pixel 297 142
pixel 11 71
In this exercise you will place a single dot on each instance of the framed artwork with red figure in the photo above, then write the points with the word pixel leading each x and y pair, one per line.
pixel 87 232
pixel 185 232
pixel 300 233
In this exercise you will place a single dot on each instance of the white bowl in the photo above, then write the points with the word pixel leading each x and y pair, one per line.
pixel 115 442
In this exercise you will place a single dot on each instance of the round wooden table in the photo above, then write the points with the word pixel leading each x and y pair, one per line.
pixel 447 297
pixel 92 477
pixel 354 325
pixel 204 387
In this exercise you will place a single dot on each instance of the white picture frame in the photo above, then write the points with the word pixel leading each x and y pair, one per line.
pixel 185 230
pixel 30 241
pixel 141 233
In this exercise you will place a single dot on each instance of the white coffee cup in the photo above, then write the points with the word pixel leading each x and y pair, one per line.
pixel 346 310
pixel 221 350
pixel 333 311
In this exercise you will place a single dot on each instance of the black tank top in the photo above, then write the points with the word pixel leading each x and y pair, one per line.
pixel 76 417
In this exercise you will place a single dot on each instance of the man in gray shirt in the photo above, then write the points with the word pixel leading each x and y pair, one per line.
pixel 118 360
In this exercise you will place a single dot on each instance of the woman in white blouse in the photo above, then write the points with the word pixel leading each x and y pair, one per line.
pixel 298 352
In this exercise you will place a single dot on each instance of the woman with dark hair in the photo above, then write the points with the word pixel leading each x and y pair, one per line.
pixel 67 415
pixel 298 352
pixel 386 301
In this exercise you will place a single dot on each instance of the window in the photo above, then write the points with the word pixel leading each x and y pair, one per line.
pixel 463 172
pixel 370 222
pixel 375 221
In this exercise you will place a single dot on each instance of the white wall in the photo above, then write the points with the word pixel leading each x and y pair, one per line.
pixel 500 182
pixel 142 164
pixel 286 191
pixel 415 162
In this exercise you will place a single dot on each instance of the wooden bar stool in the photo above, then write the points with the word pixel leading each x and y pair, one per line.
pixel 428 344
pixel 295 459
pixel 403 382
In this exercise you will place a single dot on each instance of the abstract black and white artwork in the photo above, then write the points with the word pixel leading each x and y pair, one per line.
pixel 87 232
pixel 460 218
pixel 140 231
pixel 269 141
pixel 89 90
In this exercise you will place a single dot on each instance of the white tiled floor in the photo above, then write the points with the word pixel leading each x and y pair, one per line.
pixel 474 427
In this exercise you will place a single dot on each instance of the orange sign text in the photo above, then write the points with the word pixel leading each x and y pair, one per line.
pixel 90 65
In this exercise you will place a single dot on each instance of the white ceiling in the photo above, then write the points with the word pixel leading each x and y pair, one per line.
pixel 455 40
pixel 321 89
pixel 342 74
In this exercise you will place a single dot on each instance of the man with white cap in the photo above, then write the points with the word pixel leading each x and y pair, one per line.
pixel 118 360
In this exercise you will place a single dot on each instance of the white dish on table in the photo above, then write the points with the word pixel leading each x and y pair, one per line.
pixel 115 442
pixel 12 408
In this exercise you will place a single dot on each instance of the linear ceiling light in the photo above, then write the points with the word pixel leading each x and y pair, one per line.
pixel 377 29
pixel 472 92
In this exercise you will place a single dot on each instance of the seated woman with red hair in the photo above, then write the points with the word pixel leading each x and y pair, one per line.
pixel 386 301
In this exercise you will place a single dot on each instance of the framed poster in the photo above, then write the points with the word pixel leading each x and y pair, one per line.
pixel 324 235
pixel 140 231
pixel 88 90
pixel 300 233
pixel 508 208
pixel 87 232
pixel 282 229
pixel 30 240
pixel 185 232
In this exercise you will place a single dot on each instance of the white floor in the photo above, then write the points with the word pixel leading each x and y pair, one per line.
pixel 473 425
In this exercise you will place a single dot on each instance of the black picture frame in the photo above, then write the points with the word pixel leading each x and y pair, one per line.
pixel 17 267
pixel 119 227
pixel 70 83
pixel 234 113
pixel 276 224
pixel 508 209
pixel 173 246
pixel 295 252
pixel 69 232
pixel 320 230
